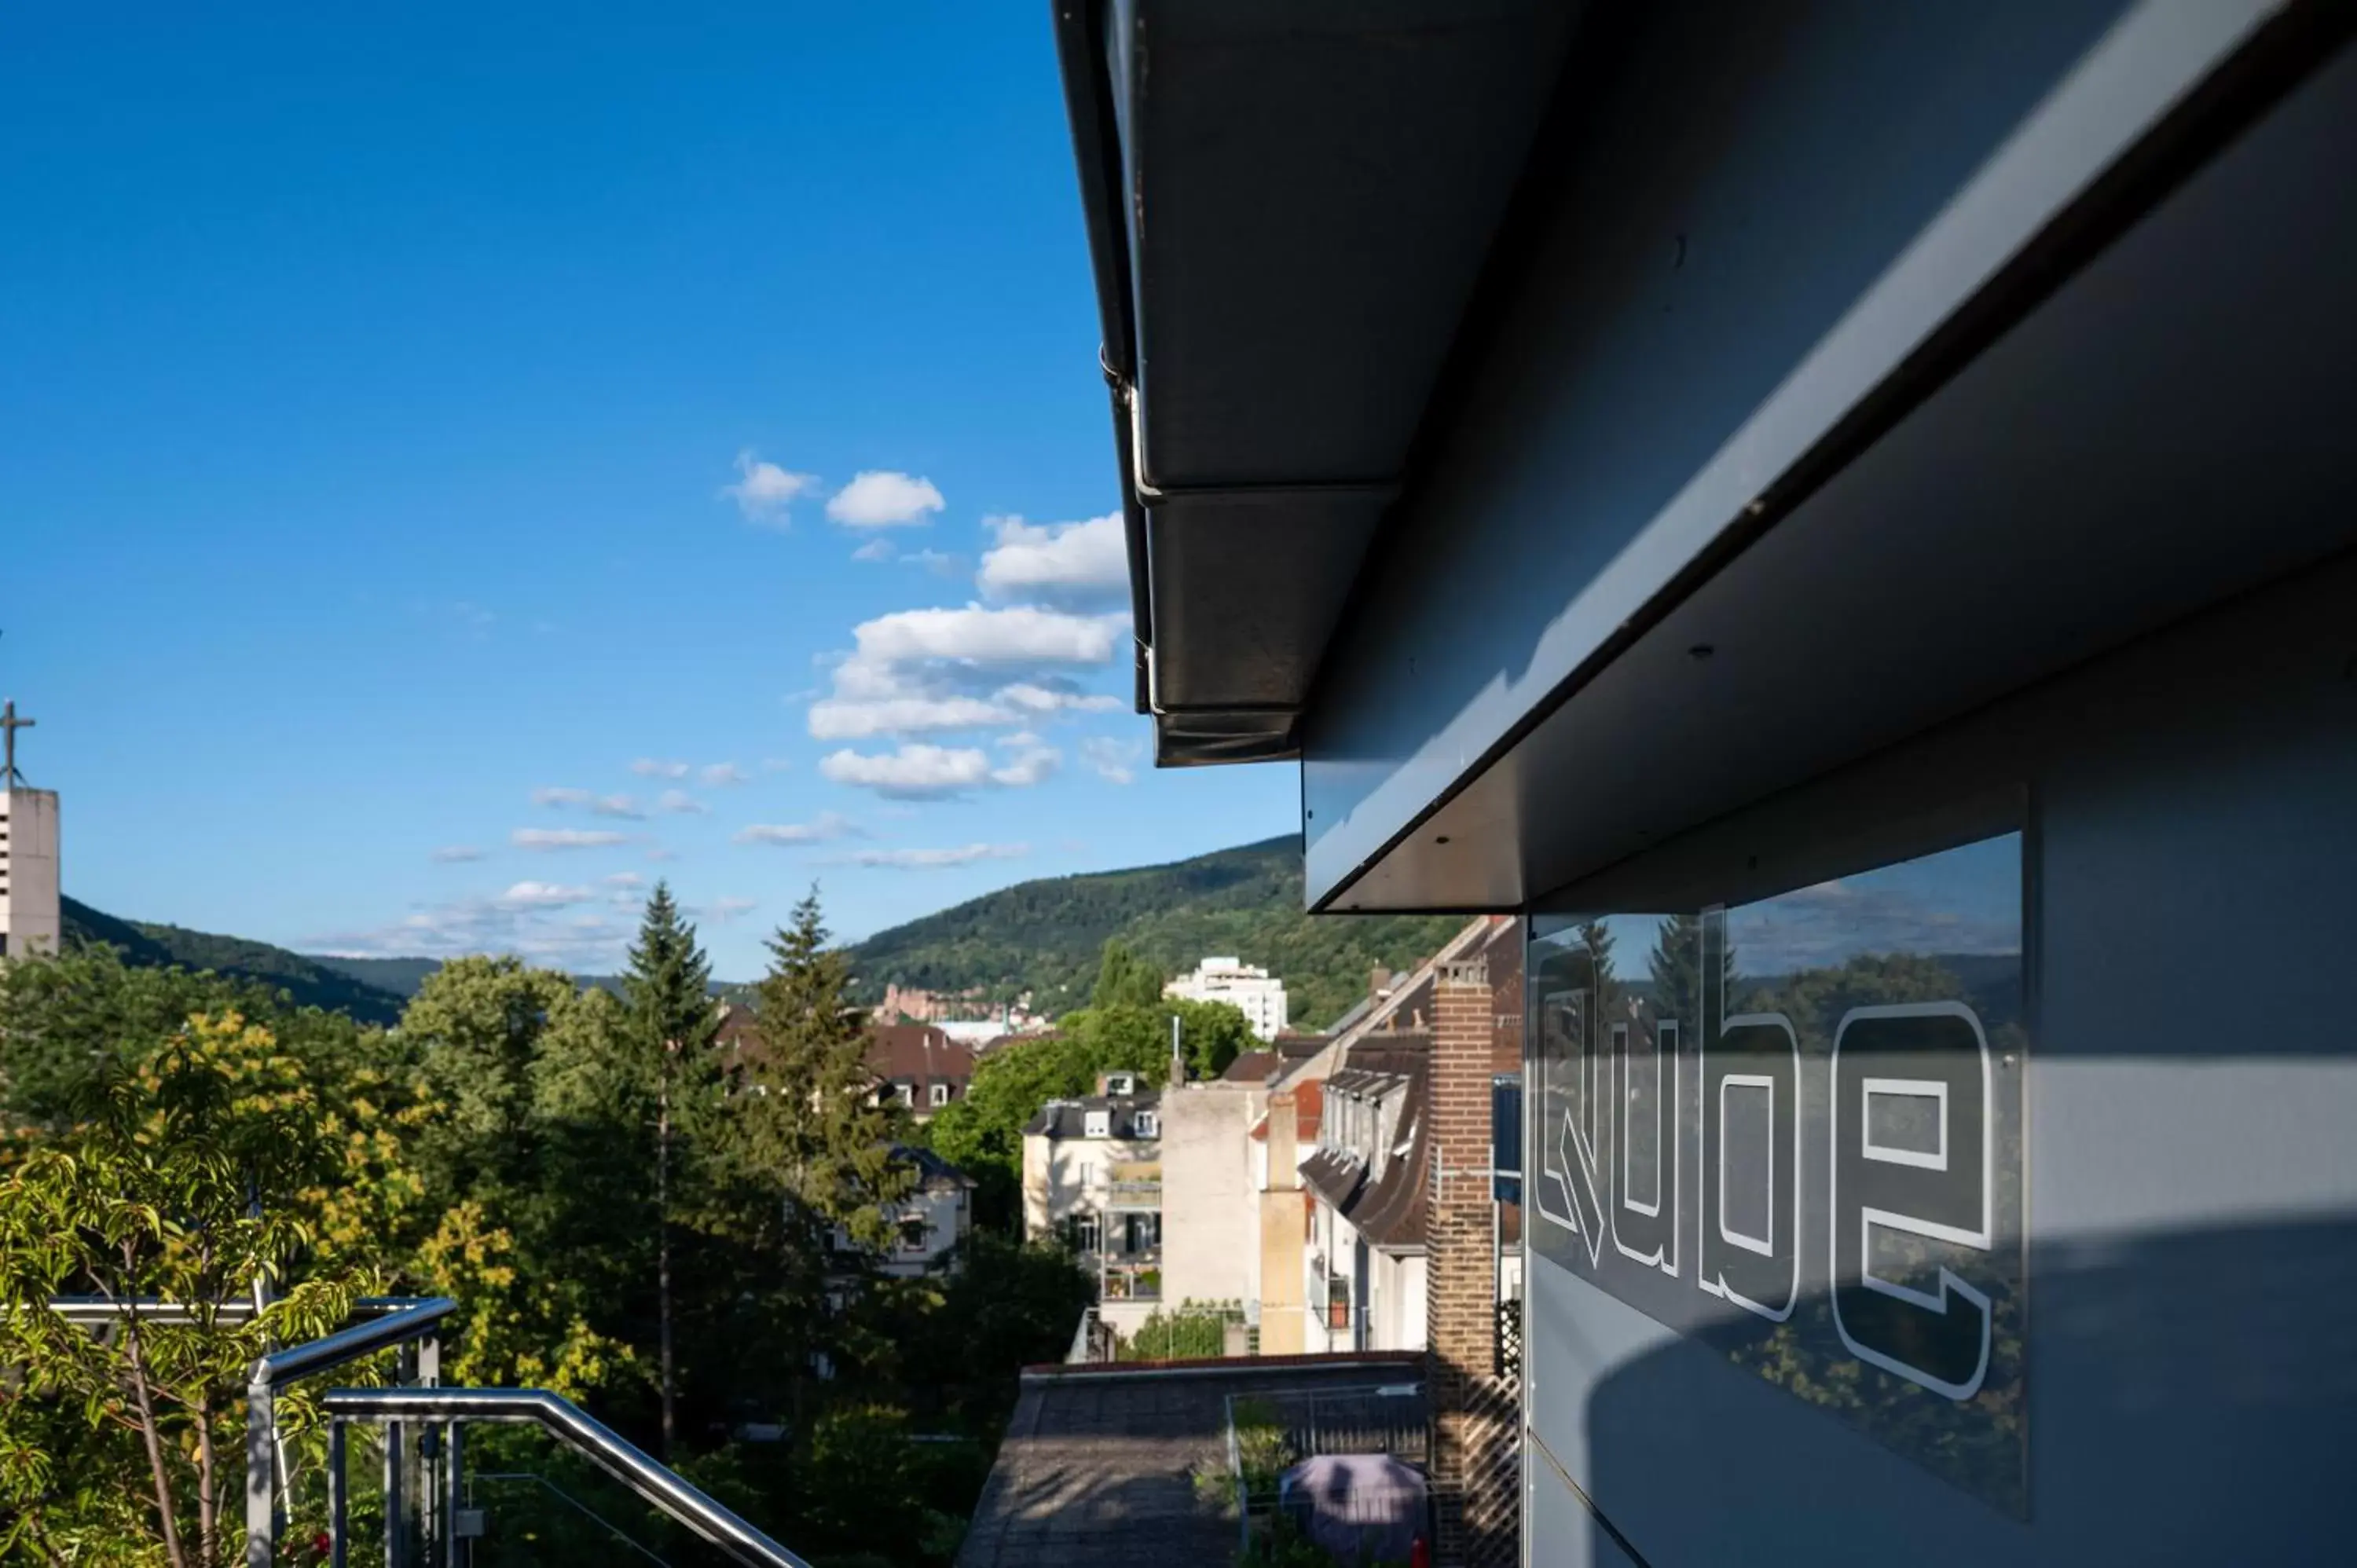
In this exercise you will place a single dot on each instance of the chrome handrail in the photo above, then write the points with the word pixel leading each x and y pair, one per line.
pixel 404 1320
pixel 88 1309
pixel 587 1435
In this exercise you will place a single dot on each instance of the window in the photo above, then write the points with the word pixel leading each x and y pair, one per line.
pixel 915 1234
pixel 1098 1124
pixel 1145 1124
pixel 940 1095
pixel 1121 1083
pixel 1338 1301
pixel 906 1093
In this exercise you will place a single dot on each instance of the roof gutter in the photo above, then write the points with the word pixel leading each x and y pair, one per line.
pixel 1097 152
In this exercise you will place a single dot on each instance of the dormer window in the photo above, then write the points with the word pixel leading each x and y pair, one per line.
pixel 1098 1124
pixel 940 1095
pixel 1145 1124
pixel 1121 1083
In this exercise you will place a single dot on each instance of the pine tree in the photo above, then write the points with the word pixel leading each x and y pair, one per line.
pixel 672 1023
pixel 812 1122
pixel 1677 966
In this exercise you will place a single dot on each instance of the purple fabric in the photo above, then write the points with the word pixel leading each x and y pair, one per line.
pixel 1358 1508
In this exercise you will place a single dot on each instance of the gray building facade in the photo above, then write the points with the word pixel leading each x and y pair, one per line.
pixel 1844 518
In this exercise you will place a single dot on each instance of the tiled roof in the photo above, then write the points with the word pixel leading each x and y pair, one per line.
pixel 918 1053
pixel 1382 1199
pixel 1069 1118
pixel 1252 1067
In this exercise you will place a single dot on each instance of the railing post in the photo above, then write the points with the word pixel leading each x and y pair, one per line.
pixel 429 1457
pixel 338 1503
pixel 454 1454
pixel 260 1496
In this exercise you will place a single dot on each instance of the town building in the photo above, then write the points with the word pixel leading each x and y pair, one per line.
pixel 1840 519
pixel 31 910
pixel 1211 1215
pixel 1093 1176
pixel 929 1226
pixel 920 1067
pixel 1366 1178
pixel 1248 988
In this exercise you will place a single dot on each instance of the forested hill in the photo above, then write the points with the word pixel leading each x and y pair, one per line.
pixel 1044 937
pixel 308 981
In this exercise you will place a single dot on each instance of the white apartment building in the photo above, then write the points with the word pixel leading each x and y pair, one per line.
pixel 1092 1175
pixel 1250 988
pixel 30 908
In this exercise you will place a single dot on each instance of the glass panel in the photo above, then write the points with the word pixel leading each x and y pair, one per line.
pixel 1791 1129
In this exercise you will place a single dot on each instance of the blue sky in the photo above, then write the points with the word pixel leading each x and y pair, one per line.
pixel 430 441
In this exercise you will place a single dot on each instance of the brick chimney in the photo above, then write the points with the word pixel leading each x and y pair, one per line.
pixel 1476 1412
pixel 1379 983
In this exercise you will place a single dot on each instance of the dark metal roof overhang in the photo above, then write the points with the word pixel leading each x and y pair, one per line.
pixel 1288 204
pixel 1840 369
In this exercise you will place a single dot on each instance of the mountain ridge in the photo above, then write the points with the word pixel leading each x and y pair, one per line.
pixel 307 982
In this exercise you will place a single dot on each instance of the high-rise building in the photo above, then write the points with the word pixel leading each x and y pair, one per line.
pixel 29 915
pixel 1247 987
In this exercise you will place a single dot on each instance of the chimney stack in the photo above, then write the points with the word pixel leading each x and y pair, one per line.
pixel 1379 983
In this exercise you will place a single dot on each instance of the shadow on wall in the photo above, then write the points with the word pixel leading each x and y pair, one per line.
pixel 2191 1397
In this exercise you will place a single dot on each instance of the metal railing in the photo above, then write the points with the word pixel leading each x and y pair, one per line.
pixel 1094 1340
pixel 482 1477
pixel 407 1324
pixel 412 1325
pixel 570 1424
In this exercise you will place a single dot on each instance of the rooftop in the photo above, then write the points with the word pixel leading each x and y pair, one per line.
pixel 1069 1118
pixel 1097 1466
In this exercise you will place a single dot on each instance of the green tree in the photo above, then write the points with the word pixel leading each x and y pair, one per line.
pixel 674 1023
pixel 1675 964
pixel 1125 980
pixel 813 1121
pixel 181 1179
pixel 478 1023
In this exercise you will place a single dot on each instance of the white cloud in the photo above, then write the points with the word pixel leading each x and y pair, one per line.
pixel 543 896
pixel 884 499
pixel 878 549
pixel 835 719
pixel 720 774
pixel 624 806
pixel 653 768
pixel 826 826
pixel 775 764
pixel 1021 635
pixel 763 491
pixel 626 879
pixel 663 854
pixel 1113 760
pixel 681 802
pixel 1046 700
pixel 1031 764
pixel 918 671
pixel 560 797
pixel 1062 561
pixel 917 771
pixel 914 772
pixel 530 920
pixel 722 910
pixel 456 854
pixel 935 859
pixel 564 838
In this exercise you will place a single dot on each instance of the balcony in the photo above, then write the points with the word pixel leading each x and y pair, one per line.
pixel 1134 1275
